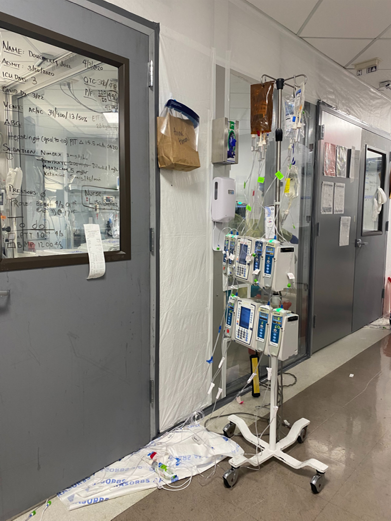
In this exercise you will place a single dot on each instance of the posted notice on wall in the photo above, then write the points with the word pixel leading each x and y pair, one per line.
pixel 339 198
pixel 95 251
pixel 327 198
pixel 344 231
pixel 269 222
pixel 342 161
pixel 330 157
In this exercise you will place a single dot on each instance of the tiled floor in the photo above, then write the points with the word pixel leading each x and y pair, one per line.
pixel 350 431
pixel 283 493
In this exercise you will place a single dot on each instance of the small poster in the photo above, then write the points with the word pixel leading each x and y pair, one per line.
pixel 330 154
pixel 339 198
pixel 327 198
pixel 344 231
pixel 342 161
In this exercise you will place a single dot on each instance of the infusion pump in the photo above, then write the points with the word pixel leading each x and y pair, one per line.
pixel 283 338
pixel 274 332
pixel 279 265
pixel 246 311
pixel 249 259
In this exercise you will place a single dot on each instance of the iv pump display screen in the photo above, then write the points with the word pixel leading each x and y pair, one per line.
pixel 245 318
pixel 243 254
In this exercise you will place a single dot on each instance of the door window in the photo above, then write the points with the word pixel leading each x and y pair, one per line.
pixel 60 152
pixel 374 179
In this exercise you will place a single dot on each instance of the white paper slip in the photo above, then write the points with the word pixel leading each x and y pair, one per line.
pixel 327 198
pixel 95 251
pixel 339 198
pixel 344 231
pixel 269 222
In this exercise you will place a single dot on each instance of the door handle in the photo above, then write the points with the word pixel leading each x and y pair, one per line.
pixel 5 293
pixel 360 243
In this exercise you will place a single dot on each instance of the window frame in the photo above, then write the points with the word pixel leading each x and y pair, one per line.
pixel 380 230
pixel 122 64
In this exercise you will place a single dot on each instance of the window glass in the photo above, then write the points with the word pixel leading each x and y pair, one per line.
pixel 59 150
pixel 373 181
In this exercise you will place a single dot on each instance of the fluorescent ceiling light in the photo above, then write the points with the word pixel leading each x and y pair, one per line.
pixel 111 117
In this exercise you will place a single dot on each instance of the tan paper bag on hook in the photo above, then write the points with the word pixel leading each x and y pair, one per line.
pixel 176 144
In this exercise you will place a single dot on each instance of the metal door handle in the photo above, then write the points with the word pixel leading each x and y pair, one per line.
pixel 360 243
pixel 5 293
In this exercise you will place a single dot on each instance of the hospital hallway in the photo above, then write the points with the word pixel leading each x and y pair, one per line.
pixel 350 413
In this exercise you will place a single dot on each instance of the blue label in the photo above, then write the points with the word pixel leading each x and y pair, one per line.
pixel 268 264
pixel 258 247
pixel 229 317
pixel 262 328
pixel 275 331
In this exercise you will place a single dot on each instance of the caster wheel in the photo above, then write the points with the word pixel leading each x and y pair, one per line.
pixel 231 477
pixel 317 483
pixel 302 436
pixel 229 430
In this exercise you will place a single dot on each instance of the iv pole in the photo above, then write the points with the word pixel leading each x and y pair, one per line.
pixel 298 430
pixel 280 83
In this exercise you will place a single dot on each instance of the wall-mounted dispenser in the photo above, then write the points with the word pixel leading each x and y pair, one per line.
pixel 225 141
pixel 222 207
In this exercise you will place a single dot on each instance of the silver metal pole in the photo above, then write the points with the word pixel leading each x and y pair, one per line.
pixel 277 192
pixel 273 404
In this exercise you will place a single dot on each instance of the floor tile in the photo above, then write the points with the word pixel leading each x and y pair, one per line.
pixel 363 495
pixel 347 435
pixel 279 499
pixel 333 513
pixel 337 473
pixel 309 404
pixel 204 501
pixel 339 389
pixel 377 463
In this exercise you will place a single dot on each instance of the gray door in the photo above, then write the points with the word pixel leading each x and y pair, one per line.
pixel 75 354
pixel 371 237
pixel 333 265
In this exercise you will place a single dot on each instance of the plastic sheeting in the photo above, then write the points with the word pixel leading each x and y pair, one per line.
pixel 188 451
pixel 195 35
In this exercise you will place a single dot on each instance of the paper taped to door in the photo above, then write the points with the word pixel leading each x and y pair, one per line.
pixel 344 231
pixel 95 251
pixel 327 198
pixel 339 198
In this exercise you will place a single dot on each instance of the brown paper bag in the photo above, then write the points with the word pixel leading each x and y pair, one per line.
pixel 176 144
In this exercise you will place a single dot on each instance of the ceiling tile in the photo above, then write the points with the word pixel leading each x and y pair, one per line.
pixel 349 19
pixel 291 14
pixel 387 34
pixel 337 49
pixel 380 49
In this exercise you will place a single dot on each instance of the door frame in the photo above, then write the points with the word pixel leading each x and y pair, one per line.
pixel 325 107
pixel 383 216
pixel 360 214
pixel 152 30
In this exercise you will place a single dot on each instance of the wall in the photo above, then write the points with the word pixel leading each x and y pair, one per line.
pixel 195 35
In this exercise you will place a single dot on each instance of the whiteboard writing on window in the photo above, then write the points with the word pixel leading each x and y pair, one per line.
pixel 60 149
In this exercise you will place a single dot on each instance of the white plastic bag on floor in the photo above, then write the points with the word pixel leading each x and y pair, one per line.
pixel 188 451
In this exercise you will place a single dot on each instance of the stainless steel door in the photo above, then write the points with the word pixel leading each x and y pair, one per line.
pixel 333 265
pixel 75 354
pixel 371 236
